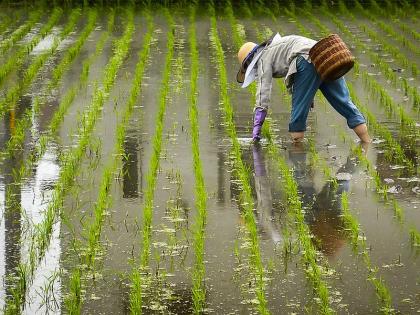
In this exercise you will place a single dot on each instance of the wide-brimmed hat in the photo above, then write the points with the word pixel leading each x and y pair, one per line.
pixel 245 56
pixel 248 56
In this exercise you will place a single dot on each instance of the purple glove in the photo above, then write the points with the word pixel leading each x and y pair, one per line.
pixel 259 118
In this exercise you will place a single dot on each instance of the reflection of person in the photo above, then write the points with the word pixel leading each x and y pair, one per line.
pixel 288 57
pixel 264 195
pixel 322 208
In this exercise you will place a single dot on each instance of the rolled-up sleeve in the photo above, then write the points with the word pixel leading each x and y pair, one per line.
pixel 264 82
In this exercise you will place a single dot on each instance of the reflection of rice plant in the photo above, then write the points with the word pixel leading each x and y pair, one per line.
pixel 71 159
pixel 240 170
pixel 59 114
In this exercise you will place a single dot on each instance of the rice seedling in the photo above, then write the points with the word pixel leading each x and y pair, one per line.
pixel 63 106
pixel 395 148
pixel 19 33
pixel 359 241
pixel 353 226
pixel 137 278
pixel 414 237
pixel 73 51
pixel 395 152
pixel 379 61
pixel 93 230
pixel 16 61
pixel 12 96
pixel 70 162
pixel 17 138
pixel 387 29
pixel 240 171
pixel 199 290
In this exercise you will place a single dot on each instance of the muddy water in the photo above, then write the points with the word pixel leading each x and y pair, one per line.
pixel 226 257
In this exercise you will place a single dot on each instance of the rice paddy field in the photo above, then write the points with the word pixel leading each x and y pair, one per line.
pixel 129 184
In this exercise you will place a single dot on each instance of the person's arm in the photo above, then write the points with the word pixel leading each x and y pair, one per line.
pixel 264 82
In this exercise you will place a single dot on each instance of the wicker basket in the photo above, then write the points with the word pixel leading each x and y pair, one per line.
pixel 331 58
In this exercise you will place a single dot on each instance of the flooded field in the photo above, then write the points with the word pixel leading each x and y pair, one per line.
pixel 129 183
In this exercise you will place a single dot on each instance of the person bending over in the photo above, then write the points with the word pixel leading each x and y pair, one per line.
pixel 288 57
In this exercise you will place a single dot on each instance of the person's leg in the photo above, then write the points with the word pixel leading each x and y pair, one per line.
pixel 305 84
pixel 337 94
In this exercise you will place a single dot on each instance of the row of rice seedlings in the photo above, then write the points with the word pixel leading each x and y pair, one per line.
pixel 16 61
pixel 386 100
pixel 73 301
pixel 379 61
pixel 198 289
pixel 403 40
pixel 379 92
pixel 74 50
pixel 9 20
pixel 14 93
pixel 380 188
pixel 63 106
pixel 359 242
pixel 353 226
pixel 356 236
pixel 394 51
pixel 241 171
pixel 395 152
pixel 138 274
pixel 294 207
pixel 19 33
pixel 17 138
pixel 312 269
pixel 70 163
pixel 408 30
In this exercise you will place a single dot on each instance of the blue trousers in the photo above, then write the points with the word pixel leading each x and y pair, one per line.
pixel 306 82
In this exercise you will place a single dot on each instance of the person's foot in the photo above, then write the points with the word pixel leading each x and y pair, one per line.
pixel 365 147
pixel 362 132
pixel 297 136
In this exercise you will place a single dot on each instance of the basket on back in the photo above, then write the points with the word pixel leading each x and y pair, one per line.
pixel 331 58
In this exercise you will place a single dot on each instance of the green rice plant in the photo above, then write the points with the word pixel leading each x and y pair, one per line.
pixel 71 160
pixel 93 230
pixel 19 33
pixel 40 147
pixel 137 278
pixel 17 60
pixel 13 94
pixel 414 237
pixel 198 290
pixel 395 152
pixel 74 50
pixel 354 230
pixel 387 71
pixel 358 241
pixel 295 210
pixel 240 170
pixel 17 138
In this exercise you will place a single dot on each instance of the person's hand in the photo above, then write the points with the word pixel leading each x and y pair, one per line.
pixel 259 118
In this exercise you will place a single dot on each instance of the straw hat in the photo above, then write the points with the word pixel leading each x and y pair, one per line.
pixel 245 54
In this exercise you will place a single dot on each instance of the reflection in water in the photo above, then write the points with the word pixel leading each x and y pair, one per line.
pixel 323 209
pixel 130 168
pixel 265 210
pixel 24 207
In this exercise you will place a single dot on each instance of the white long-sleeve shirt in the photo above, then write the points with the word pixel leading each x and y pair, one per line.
pixel 278 60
